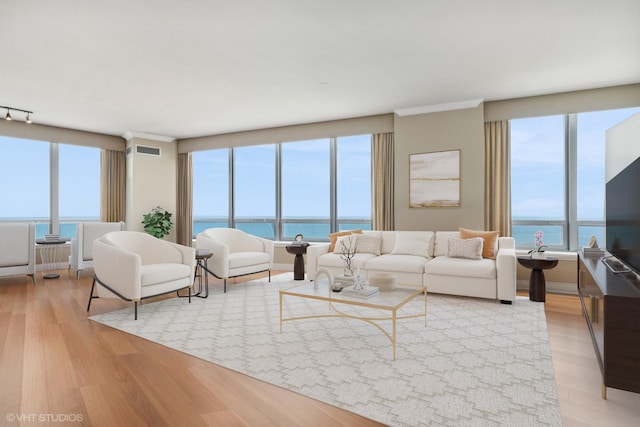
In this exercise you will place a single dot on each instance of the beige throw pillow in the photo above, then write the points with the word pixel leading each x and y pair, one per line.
pixel 490 237
pixel 408 244
pixel 349 243
pixel 466 248
pixel 333 237
pixel 368 244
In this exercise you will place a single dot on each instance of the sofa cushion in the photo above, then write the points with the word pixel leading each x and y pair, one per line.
pixel 397 263
pixel 490 240
pixel 412 243
pixel 368 244
pixel 152 274
pixel 466 248
pixel 244 259
pixel 442 242
pixel 445 266
pixel 334 260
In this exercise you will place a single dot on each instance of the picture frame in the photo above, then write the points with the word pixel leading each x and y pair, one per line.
pixel 434 179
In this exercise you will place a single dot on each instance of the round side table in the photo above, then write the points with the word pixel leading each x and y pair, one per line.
pixel 537 285
pixel 298 249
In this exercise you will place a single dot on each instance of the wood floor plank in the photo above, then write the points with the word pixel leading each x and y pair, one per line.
pixel 53 359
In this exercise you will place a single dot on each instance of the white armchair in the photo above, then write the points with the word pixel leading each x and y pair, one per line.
pixel 235 253
pixel 18 249
pixel 132 265
pixel 82 245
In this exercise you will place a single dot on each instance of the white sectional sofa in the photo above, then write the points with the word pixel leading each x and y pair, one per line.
pixel 421 258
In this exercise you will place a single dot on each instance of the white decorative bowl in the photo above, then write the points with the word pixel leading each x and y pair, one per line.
pixel 383 281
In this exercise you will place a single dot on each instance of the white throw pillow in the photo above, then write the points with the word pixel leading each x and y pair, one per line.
pixel 349 243
pixel 466 248
pixel 408 244
pixel 368 244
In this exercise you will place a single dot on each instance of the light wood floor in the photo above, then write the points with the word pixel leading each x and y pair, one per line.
pixel 55 364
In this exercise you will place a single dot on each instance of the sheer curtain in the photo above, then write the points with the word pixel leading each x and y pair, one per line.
pixel 497 181
pixel 112 185
pixel 382 171
pixel 184 200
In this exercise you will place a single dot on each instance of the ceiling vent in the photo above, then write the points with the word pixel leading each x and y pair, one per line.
pixel 149 151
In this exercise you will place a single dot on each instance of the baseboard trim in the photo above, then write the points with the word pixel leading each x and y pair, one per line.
pixel 551 287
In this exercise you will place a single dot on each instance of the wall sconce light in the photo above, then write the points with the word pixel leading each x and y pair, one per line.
pixel 9 109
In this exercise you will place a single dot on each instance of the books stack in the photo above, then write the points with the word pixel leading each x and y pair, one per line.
pixel 365 292
pixel 345 280
pixel 51 237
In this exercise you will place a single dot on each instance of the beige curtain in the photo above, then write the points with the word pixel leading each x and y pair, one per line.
pixel 497 181
pixel 112 185
pixel 184 200
pixel 382 162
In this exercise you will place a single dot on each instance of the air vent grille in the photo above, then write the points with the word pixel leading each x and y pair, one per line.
pixel 149 151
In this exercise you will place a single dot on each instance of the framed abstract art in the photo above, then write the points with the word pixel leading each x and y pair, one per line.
pixel 434 179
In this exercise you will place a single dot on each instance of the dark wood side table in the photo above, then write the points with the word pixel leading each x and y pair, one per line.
pixel 298 249
pixel 537 286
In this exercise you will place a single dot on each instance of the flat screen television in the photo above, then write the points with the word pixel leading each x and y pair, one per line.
pixel 623 216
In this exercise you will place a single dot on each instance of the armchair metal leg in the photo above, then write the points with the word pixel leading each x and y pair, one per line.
pixel 225 286
pixel 93 285
pixel 269 275
pixel 135 310
pixel 33 278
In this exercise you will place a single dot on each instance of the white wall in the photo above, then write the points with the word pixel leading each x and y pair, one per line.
pixel 151 182
pixel 622 146
pixel 449 130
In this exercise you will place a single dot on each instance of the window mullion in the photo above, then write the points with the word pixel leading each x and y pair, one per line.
pixel 278 228
pixel 54 189
pixel 333 184
pixel 572 181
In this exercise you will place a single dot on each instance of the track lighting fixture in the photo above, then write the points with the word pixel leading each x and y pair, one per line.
pixel 9 109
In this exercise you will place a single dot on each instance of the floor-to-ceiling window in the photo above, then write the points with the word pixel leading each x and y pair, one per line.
pixel 306 189
pixel 79 187
pixel 353 163
pixel 254 190
pixel 210 189
pixel 557 177
pixel 55 185
pixel 311 187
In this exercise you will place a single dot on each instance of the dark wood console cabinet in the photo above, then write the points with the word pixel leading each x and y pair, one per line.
pixel 611 305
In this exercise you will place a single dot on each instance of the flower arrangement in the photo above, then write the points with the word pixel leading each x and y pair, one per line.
pixel 347 252
pixel 540 246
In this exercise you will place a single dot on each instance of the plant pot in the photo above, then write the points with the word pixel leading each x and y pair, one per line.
pixel 538 255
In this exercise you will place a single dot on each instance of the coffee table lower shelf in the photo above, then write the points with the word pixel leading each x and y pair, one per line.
pixel 391 301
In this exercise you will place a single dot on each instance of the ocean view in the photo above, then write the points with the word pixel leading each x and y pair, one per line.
pixel 319 231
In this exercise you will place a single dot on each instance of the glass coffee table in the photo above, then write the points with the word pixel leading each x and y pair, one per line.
pixel 390 301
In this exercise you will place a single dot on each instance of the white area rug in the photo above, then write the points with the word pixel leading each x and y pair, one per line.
pixel 477 363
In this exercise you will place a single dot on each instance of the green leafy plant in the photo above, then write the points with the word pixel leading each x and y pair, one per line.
pixel 157 222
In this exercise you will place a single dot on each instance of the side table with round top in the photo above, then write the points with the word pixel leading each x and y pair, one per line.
pixel 298 249
pixel 537 285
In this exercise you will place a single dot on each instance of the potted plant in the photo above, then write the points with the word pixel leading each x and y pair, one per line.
pixel 157 222
pixel 538 252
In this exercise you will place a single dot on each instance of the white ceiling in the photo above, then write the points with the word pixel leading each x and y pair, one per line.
pixel 200 67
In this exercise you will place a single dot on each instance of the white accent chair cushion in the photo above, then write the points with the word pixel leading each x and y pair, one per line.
pixel 235 253
pixel 18 249
pixel 81 256
pixel 134 265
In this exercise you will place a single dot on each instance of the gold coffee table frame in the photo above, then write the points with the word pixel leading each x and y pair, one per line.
pixel 388 301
